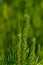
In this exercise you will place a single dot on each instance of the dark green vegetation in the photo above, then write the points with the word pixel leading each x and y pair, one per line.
pixel 21 32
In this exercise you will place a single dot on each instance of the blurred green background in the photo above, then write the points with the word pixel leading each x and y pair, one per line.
pixel 11 24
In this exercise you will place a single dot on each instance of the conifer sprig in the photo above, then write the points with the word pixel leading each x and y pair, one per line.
pixel 19 49
pixel 24 38
pixel 31 60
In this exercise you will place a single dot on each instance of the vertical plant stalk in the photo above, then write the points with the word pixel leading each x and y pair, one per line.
pixel 24 38
pixel 19 39
pixel 19 48
pixel 32 53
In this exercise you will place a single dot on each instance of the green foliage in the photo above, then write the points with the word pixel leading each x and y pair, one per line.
pixel 21 32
